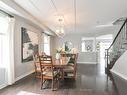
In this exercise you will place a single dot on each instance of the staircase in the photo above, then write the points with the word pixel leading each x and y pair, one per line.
pixel 117 48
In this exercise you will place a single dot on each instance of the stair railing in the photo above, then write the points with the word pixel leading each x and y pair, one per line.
pixel 117 48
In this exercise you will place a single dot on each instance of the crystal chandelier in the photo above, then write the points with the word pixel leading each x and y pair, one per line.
pixel 60 30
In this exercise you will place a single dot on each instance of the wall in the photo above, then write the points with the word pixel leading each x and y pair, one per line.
pixel 88 58
pixel 76 40
pixel 84 57
pixel 120 67
pixel 22 69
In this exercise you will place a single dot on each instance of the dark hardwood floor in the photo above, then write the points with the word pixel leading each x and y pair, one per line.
pixel 90 81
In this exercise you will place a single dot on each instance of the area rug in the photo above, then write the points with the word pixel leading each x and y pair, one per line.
pixel 26 93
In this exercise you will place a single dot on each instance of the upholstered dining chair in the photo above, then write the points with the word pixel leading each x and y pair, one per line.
pixel 48 72
pixel 71 68
pixel 37 65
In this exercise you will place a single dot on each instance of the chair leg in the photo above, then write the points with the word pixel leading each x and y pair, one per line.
pixel 74 75
pixel 41 83
pixel 62 75
pixel 55 81
pixel 35 74
pixel 52 85
pixel 58 83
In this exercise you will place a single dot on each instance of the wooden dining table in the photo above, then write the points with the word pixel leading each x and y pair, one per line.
pixel 58 62
pixel 61 62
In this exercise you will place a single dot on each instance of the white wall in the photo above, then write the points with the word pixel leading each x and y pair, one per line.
pixel 22 69
pixel 84 57
pixel 120 67
pixel 75 39
pixel 88 58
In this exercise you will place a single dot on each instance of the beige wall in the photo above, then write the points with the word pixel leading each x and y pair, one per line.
pixel 22 69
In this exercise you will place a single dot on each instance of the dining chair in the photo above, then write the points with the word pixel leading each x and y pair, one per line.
pixel 48 72
pixel 37 65
pixel 71 68
pixel 43 54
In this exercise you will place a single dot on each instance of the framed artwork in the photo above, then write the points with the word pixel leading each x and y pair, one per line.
pixel 88 44
pixel 68 46
pixel 29 44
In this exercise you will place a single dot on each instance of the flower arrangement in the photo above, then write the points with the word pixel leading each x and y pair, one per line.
pixel 59 50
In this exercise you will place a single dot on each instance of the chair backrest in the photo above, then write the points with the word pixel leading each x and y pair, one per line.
pixel 76 57
pixel 46 63
pixel 42 54
pixel 73 58
pixel 36 61
pixel 36 57
pixel 46 60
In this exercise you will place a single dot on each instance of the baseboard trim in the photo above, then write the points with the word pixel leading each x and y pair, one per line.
pixel 16 79
pixel 87 62
pixel 24 75
pixel 3 85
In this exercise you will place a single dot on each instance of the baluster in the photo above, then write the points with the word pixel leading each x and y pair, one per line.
pixel 124 34
pixel 126 30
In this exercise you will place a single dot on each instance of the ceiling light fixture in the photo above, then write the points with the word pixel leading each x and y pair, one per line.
pixel 61 22
pixel 60 30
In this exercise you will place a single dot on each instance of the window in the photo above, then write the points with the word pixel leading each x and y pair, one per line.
pixel 3 36
pixel 47 44
pixel 7 47
pixel 83 46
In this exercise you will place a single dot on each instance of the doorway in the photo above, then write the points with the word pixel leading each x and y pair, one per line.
pixel 104 43
pixel 103 46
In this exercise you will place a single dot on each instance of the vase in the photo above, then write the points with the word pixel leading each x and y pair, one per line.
pixel 57 55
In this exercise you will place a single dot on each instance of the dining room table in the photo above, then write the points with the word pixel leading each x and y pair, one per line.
pixel 63 61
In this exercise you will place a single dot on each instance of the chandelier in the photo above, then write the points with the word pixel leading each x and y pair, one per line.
pixel 60 29
pixel 60 32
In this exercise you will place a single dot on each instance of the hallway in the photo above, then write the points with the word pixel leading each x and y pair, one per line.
pixel 89 82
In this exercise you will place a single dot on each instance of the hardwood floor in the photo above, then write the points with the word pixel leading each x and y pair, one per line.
pixel 89 81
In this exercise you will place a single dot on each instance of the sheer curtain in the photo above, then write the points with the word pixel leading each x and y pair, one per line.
pixel 10 32
pixel 47 44
pixel 7 47
pixel 3 33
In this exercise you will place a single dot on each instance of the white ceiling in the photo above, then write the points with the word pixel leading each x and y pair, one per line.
pixel 89 13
